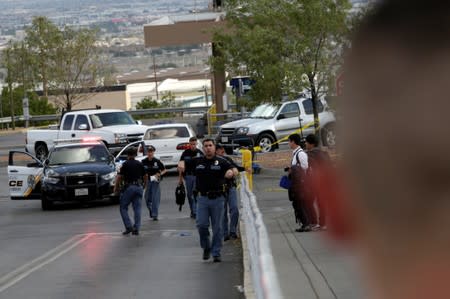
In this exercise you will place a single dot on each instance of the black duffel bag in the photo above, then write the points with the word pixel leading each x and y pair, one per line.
pixel 180 196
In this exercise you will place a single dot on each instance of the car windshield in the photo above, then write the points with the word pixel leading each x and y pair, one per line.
pixel 111 119
pixel 78 154
pixel 265 111
pixel 166 133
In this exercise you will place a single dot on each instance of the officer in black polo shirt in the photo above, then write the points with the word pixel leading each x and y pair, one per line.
pixel 185 169
pixel 211 172
pixel 155 169
pixel 132 178
pixel 231 200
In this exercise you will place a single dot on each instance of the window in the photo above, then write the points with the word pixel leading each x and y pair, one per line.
pixel 79 154
pixel 112 119
pixel 307 105
pixel 290 110
pixel 24 160
pixel 68 122
pixel 166 133
pixel 81 119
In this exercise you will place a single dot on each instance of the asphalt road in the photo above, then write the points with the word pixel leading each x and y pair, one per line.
pixel 78 251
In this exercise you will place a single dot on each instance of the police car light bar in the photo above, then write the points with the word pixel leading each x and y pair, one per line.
pixel 86 139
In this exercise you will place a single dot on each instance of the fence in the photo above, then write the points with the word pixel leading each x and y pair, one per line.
pixel 264 276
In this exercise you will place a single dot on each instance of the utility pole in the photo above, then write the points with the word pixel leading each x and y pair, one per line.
pixel 154 75
pixel 10 87
pixel 26 111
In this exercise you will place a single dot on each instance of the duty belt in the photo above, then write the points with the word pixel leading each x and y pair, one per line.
pixel 137 183
pixel 212 194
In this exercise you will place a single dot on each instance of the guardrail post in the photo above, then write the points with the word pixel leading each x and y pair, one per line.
pixel 247 164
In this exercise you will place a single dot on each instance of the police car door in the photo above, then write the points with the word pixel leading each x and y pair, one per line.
pixel 122 155
pixel 24 175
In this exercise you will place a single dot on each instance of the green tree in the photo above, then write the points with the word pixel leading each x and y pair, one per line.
pixel 287 47
pixel 168 100
pixel 147 103
pixel 41 40
pixel 76 67
pixel 11 61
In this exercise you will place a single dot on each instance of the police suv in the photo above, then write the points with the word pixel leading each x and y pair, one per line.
pixel 81 171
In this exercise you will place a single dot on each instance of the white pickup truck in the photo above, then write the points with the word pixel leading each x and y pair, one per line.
pixel 114 127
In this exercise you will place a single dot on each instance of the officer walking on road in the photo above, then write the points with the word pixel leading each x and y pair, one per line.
pixel 154 169
pixel 211 172
pixel 185 169
pixel 231 200
pixel 132 177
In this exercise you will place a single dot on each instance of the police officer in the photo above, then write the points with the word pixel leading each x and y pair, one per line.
pixel 185 169
pixel 231 202
pixel 154 169
pixel 211 172
pixel 132 176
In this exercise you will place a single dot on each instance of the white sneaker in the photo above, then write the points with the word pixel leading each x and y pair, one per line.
pixel 315 227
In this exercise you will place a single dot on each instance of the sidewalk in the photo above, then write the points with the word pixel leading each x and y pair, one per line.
pixel 307 264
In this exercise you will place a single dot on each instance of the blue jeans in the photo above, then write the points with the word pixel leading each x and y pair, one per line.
pixel 231 203
pixel 153 198
pixel 189 181
pixel 133 195
pixel 210 209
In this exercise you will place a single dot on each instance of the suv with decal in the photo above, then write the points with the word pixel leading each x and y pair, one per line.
pixel 269 123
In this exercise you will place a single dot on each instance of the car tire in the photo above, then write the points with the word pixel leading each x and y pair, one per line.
pixel 265 142
pixel 41 151
pixel 45 203
pixel 329 136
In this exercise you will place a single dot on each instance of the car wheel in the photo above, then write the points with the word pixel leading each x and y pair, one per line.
pixel 45 203
pixel 329 136
pixel 41 151
pixel 265 142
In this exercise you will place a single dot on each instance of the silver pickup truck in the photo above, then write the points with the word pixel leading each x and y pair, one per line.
pixel 270 122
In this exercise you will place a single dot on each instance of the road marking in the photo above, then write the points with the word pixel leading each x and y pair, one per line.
pixel 25 270
pixel 20 273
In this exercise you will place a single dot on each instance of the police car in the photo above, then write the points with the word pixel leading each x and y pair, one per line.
pixel 76 171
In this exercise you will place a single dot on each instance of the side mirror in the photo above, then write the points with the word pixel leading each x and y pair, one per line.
pixel 83 127
pixel 139 122
pixel 281 116
pixel 46 161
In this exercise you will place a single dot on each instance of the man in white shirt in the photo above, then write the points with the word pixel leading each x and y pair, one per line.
pixel 297 173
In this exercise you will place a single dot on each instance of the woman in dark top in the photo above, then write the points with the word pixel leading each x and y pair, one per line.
pixel 155 169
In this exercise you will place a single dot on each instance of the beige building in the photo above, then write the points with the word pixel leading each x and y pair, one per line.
pixel 108 97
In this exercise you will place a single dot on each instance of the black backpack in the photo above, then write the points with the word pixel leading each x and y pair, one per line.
pixel 180 196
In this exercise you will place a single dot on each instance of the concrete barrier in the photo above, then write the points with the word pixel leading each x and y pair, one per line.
pixel 257 253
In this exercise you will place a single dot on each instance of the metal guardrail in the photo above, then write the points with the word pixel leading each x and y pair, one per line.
pixel 264 275
pixel 56 117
